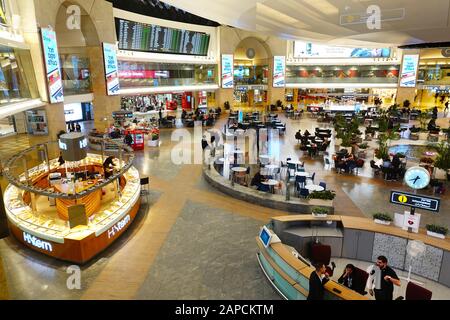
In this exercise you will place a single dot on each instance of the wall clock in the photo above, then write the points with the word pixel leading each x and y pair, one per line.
pixel 417 177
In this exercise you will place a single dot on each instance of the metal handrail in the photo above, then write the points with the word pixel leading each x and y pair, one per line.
pixel 16 180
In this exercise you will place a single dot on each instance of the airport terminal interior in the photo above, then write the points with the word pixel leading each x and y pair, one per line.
pixel 224 150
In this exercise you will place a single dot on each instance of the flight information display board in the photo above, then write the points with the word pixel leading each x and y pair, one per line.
pixel 139 36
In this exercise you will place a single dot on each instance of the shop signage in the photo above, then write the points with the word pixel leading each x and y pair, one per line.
pixel 279 70
pixel 415 201
pixel 52 66
pixel 118 226
pixel 36 242
pixel 111 69
pixel 409 70
pixel 227 71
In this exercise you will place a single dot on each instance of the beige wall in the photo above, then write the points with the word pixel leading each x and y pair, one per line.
pixel 235 41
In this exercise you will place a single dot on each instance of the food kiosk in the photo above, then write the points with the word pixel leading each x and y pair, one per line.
pixel 68 207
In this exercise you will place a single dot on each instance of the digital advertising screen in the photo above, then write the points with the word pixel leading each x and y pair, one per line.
pixel 111 69
pixel 265 236
pixel 279 71
pixel 311 50
pixel 52 66
pixel 409 70
pixel 227 71
pixel 139 36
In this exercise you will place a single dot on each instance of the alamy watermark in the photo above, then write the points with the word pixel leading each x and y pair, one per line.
pixel 74 280
pixel 73 21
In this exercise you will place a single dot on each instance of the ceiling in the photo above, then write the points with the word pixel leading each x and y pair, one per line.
pixel 338 22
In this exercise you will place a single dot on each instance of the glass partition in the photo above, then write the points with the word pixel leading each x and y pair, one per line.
pixel 142 74
pixel 17 80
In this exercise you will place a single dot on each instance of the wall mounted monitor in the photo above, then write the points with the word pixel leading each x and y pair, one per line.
pixel 139 36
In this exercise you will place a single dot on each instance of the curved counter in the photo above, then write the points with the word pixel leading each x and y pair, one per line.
pixel 261 198
pixel 352 238
pixel 49 233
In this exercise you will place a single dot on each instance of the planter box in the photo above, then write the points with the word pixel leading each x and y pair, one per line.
pixel 423 135
pixel 322 215
pixel 153 143
pixel 414 136
pixel 386 223
pixel 435 234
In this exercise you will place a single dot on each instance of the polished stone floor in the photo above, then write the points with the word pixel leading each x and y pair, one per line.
pixel 190 240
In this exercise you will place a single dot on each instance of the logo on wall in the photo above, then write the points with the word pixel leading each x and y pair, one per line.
pixel 446 52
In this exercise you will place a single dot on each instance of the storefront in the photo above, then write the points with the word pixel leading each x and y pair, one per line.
pixel 250 95
pixel 79 111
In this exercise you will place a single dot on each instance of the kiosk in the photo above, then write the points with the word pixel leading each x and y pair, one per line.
pixel 68 208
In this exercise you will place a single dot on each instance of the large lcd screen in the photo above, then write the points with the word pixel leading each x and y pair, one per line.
pixel 111 69
pixel 227 71
pixel 409 70
pixel 52 66
pixel 139 36
pixel 279 70
pixel 311 50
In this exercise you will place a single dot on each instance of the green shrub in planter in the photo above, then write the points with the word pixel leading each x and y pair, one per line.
pixel 320 210
pixel 382 216
pixel 437 229
pixel 363 146
pixel 323 195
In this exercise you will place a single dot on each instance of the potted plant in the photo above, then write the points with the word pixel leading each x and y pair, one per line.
pixel 442 161
pixel 426 160
pixel 154 135
pixel 382 218
pixel 323 195
pixel 436 231
pixel 319 212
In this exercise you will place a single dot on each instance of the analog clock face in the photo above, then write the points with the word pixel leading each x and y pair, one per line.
pixel 417 177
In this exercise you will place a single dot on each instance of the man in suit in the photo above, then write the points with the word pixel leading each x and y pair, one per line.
pixel 317 280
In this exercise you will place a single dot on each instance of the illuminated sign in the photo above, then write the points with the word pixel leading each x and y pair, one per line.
pixel 111 69
pixel 279 70
pixel 118 226
pixel 311 50
pixel 83 143
pixel 227 71
pixel 36 242
pixel 62 145
pixel 409 70
pixel 51 59
pixel 415 201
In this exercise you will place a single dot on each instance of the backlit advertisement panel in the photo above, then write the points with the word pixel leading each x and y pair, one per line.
pixel 409 70
pixel 227 71
pixel 52 66
pixel 279 71
pixel 111 69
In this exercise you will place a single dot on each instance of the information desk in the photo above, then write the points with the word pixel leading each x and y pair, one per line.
pixel 363 239
pixel 48 231
pixel 290 276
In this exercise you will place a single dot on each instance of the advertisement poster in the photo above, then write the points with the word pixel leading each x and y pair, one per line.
pixel 51 57
pixel 111 69
pixel 279 70
pixel 411 221
pixel 409 71
pixel 227 71
pixel 311 50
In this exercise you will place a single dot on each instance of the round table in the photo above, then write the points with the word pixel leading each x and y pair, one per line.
pixel 271 183
pixel 314 187
pixel 239 169
pixel 302 174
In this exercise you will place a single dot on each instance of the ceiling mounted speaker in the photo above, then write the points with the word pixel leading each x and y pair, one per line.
pixel 250 53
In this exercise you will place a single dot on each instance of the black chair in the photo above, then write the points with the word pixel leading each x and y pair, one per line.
pixel 144 182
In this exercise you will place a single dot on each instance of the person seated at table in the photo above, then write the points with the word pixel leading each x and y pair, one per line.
pixel 257 180
pixel 183 114
pixel 307 134
pixel 312 150
pixel 298 135
pixel 432 126
pixel 350 163
pixel 348 277
pixel 414 129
